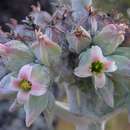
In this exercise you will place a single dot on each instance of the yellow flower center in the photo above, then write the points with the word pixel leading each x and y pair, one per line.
pixel 25 85
pixel 97 67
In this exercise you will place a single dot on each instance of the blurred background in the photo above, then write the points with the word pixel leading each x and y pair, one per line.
pixel 19 9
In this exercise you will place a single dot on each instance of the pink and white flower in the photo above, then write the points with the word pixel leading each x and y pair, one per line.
pixel 96 67
pixel 26 85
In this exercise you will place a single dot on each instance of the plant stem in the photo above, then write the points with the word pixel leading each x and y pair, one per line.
pixel 62 110
pixel 71 92
pixel 91 126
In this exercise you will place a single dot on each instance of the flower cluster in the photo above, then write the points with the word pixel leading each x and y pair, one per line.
pixel 65 48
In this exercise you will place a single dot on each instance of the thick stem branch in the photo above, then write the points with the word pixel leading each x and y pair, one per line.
pixel 89 122
pixel 91 126
pixel 113 113
pixel 71 92
pixel 62 110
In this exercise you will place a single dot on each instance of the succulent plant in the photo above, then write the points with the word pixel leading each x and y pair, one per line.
pixel 78 51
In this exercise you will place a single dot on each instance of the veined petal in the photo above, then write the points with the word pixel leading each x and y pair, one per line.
pixel 25 72
pixel 110 66
pixel 96 54
pixel 15 84
pixel 38 89
pixel 83 71
pixel 22 97
pixel 99 80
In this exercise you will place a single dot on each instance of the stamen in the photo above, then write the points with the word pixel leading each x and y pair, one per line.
pixel 25 85
pixel 97 67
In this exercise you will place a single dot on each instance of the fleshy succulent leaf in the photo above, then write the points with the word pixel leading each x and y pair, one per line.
pixel 123 51
pixel 47 51
pixel 84 57
pixel 123 64
pixel 34 107
pixel 18 55
pixel 5 82
pixel 109 38
pixel 44 56
pixel 49 112
pixel 3 69
pixel 40 73
pixel 5 85
pixel 107 93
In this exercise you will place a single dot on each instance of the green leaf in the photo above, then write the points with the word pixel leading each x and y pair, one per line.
pixel 84 57
pixel 34 107
pixel 40 74
pixel 76 45
pixel 3 70
pixel 107 93
pixel 48 54
pixel 108 40
pixel 17 45
pixel 49 112
pixel 121 86
pixel 19 56
pixel 44 56
pixel 6 81
pixel 5 87
pixel 123 51
pixel 122 63
pixel 54 54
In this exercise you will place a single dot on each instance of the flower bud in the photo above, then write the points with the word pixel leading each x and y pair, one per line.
pixel 110 37
pixel 78 40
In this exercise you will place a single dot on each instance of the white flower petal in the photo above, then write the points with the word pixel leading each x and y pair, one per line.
pixel 110 66
pixel 96 54
pixel 38 89
pixel 83 71
pixel 22 97
pixel 25 72
pixel 15 84
pixel 99 80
